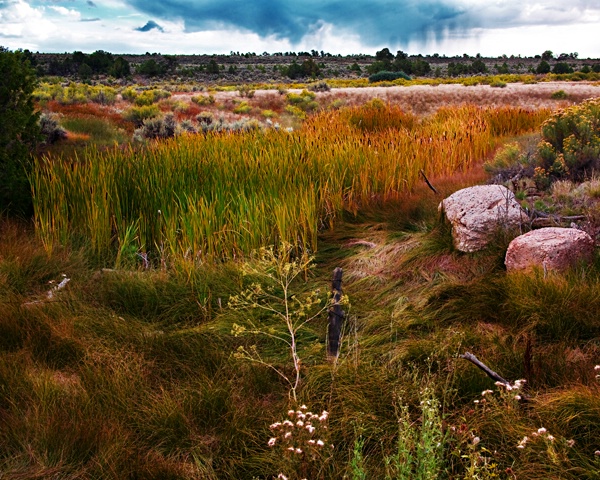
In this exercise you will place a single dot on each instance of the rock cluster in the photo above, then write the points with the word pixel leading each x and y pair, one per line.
pixel 477 213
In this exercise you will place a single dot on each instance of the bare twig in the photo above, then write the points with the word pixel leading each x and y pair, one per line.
pixel 428 182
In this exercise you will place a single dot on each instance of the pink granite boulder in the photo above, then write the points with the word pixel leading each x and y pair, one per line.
pixel 477 213
pixel 551 248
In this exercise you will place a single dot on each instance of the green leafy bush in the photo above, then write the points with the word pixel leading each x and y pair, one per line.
pixel 18 130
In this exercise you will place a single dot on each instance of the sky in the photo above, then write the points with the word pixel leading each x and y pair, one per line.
pixel 448 27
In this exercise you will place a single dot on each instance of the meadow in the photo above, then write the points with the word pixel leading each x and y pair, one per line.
pixel 166 317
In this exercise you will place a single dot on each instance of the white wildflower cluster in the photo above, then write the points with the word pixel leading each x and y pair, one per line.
pixel 302 435
pixel 597 370
pixel 539 433
pixel 514 388
pixel 509 389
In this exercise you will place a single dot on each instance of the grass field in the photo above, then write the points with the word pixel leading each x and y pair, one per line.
pixel 145 334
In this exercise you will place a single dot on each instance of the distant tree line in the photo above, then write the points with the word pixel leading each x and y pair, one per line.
pixel 385 61
pixel 84 65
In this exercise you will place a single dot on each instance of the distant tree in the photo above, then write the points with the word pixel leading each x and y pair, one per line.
pixel 547 55
pixel 150 68
pixel 543 67
pixel 355 67
pixel 84 71
pixel 477 66
pixel 19 131
pixel 384 55
pixel 502 69
pixel 120 68
pixel 212 67
pixel 100 61
pixel 420 68
pixel 562 67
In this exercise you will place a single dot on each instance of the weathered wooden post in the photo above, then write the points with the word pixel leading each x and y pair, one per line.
pixel 336 316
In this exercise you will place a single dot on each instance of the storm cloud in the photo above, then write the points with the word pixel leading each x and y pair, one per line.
pixel 374 21
pixel 150 25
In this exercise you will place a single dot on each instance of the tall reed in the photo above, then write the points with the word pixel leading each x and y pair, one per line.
pixel 223 195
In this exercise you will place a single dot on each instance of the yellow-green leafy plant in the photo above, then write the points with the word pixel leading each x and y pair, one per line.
pixel 574 134
pixel 276 293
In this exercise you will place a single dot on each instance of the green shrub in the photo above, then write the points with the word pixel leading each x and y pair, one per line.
pixel 321 86
pixel 388 76
pixel 129 94
pixel 559 95
pixel 104 95
pixel 304 101
pixel 137 115
pixel 243 107
pixel 203 99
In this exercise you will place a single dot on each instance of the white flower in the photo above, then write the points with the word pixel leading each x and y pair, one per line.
pixel 288 435
pixel 311 442
pixel 485 392
pixel 310 428
pixel 298 451
pixel 287 423
pixel 291 413
pixel 320 443
pixel 597 368
pixel 476 440
pixel 275 425
pixel 291 449
pixel 521 446
pixel 541 431
pixel 550 437
pixel 597 453
pixel 518 397
pixel 300 423
pixel 303 407
pixel 281 476
pixel 475 401
pixel 570 443
pixel 272 441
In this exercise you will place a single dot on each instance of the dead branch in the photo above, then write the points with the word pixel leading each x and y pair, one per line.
pixel 427 182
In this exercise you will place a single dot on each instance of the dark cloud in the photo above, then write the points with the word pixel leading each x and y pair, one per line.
pixel 91 4
pixel 374 21
pixel 90 19
pixel 150 25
